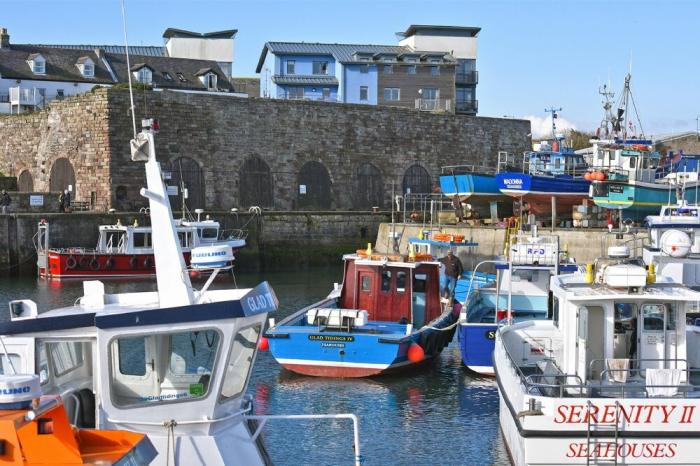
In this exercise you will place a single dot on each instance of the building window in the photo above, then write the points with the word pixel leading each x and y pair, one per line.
pixel 210 81
pixel 430 93
pixel 320 67
pixel 411 69
pixel 326 93
pixel 181 77
pixel 434 60
pixel 291 65
pixel 295 93
pixel 143 75
pixel 88 70
pixel 392 94
pixel 60 94
pixel 363 93
pixel 39 66
pixel 388 69
pixel 364 68
pixel 167 76
pixel 435 70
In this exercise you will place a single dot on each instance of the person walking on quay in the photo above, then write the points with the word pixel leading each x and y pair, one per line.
pixel 459 209
pixel 453 270
pixel 5 201
pixel 64 201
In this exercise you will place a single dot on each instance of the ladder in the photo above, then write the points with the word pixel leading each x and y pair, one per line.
pixel 594 442
pixel 512 227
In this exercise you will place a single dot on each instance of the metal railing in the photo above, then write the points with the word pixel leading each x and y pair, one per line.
pixel 433 105
pixel 22 96
pixel 467 77
pixel 466 106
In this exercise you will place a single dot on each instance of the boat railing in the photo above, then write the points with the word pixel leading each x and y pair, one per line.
pixel 81 251
pixel 233 234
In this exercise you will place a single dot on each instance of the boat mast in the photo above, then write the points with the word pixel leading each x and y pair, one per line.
pixel 553 111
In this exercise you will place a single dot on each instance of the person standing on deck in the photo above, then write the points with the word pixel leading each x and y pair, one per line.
pixel 459 210
pixel 5 201
pixel 453 270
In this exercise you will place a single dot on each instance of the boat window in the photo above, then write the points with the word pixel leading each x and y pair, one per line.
pixel 8 361
pixel 655 314
pixel 142 240
pixel 645 162
pixel 162 367
pixel 366 283
pixel 208 233
pixel 132 356
pixel 401 282
pixel 386 281
pixel 43 365
pixel 555 311
pixel 557 163
pixel 419 283
pixel 184 238
pixel 114 239
pixel 66 356
pixel 633 162
pixel 240 361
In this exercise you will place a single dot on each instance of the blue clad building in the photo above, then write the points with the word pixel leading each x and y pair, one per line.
pixel 406 75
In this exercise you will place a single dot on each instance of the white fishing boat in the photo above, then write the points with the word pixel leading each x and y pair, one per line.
pixel 173 364
pixel 613 378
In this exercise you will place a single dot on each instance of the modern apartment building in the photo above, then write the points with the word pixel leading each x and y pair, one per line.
pixel 421 72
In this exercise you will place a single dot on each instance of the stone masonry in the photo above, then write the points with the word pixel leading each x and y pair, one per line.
pixel 221 132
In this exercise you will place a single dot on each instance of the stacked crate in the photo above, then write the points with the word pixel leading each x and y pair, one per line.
pixel 589 215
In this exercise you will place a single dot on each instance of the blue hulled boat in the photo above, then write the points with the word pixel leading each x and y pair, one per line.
pixel 521 284
pixel 387 315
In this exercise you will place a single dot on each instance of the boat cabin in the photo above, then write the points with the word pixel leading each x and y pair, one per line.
pixel 134 239
pixel 392 290
pixel 547 162
pixel 121 361
pixel 632 160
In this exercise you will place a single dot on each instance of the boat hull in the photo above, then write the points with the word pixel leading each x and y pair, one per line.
pixel 466 185
pixel 538 191
pixel 307 350
pixel 86 265
pixel 637 200
pixel 476 342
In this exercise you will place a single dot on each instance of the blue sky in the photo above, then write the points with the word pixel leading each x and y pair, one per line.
pixel 532 54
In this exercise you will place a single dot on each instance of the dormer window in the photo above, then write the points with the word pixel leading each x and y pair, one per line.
pixel 167 76
pixel 144 75
pixel 209 81
pixel 37 63
pixel 86 67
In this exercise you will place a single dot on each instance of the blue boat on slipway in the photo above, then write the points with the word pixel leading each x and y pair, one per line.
pixel 386 316
pixel 521 284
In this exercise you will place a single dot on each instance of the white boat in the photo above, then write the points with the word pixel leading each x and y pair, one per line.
pixel 173 364
pixel 611 379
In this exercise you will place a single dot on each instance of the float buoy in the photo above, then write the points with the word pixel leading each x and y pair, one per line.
pixel 415 353
pixel 587 176
pixel 264 344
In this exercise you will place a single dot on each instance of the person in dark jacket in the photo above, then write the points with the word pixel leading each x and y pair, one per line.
pixel 5 201
pixel 453 270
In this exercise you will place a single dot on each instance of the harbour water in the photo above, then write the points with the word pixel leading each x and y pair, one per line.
pixel 442 415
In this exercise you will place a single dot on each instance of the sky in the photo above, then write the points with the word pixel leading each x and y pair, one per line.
pixel 532 54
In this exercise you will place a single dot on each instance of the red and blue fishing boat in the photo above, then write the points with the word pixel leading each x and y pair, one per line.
pixel 386 316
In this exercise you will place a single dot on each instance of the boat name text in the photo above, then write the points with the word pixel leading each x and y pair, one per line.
pixel 331 338
pixel 632 414
pixel 626 450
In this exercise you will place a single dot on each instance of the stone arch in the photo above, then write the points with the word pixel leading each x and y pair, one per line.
pixel 255 183
pixel 188 174
pixel 62 176
pixel 417 179
pixel 369 187
pixel 25 181
pixel 314 186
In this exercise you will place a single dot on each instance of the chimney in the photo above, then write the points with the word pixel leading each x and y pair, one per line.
pixel 100 53
pixel 4 39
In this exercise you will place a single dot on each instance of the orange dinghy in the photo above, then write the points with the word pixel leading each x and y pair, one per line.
pixel 34 430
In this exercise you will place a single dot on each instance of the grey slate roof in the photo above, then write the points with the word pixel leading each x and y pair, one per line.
pixel 309 80
pixel 188 67
pixel 343 53
pixel 145 50
pixel 60 64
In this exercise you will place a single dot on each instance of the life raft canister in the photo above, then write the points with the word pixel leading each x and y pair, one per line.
pixel 71 263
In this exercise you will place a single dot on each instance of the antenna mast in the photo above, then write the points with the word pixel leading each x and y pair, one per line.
pixel 553 111
pixel 128 68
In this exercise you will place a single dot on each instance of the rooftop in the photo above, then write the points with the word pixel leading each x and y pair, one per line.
pixel 466 31
pixel 226 34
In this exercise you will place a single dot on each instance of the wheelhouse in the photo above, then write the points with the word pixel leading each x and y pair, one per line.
pixel 554 163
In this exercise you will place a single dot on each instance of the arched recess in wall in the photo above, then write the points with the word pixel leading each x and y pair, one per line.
pixel 369 187
pixel 255 186
pixel 62 176
pixel 25 181
pixel 417 180
pixel 314 187
pixel 187 174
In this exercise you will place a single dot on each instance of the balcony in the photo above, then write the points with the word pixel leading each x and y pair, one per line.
pixel 467 106
pixel 469 77
pixel 310 98
pixel 33 97
pixel 434 105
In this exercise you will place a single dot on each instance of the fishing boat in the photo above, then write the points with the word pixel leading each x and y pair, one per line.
pixel 519 292
pixel 173 363
pixel 126 251
pixel 386 316
pixel 674 243
pixel 611 378
pixel 552 177
pixel 35 429
pixel 627 174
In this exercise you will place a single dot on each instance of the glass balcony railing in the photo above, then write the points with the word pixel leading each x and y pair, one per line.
pixel 467 106
pixel 469 77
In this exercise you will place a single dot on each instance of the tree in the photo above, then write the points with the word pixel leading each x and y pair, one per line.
pixel 578 139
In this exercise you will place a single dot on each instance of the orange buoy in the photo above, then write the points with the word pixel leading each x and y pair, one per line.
pixel 194 274
pixel 415 353
pixel 264 344
pixel 587 176
pixel 599 176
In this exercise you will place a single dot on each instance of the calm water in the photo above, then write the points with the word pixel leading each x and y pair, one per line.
pixel 442 415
